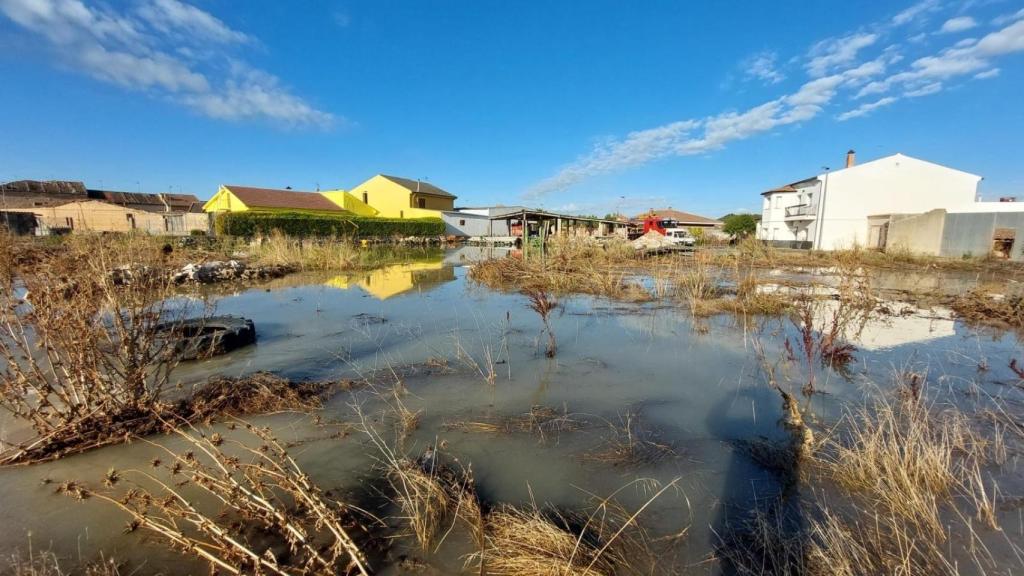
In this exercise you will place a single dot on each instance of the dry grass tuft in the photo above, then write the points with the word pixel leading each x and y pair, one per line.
pixel 630 444
pixel 530 541
pixel 317 254
pixel 46 563
pixel 543 421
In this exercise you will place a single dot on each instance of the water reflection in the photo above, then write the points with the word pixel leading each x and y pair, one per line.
pixel 390 281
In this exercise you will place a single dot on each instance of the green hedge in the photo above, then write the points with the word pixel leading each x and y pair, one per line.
pixel 309 225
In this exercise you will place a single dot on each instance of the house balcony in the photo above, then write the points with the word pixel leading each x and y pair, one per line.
pixel 801 212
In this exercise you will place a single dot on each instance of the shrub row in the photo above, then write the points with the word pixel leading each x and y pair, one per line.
pixel 250 224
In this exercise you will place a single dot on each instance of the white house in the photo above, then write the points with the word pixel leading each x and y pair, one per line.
pixel 831 211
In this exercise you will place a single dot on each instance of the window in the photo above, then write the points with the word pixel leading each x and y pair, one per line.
pixel 462 222
pixel 131 220
pixel 401 213
pixel 422 202
pixel 777 198
pixel 70 222
pixel 366 198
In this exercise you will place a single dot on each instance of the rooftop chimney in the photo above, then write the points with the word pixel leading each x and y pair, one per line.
pixel 851 158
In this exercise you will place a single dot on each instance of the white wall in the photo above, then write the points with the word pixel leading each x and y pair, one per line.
pixel 773 213
pixel 895 184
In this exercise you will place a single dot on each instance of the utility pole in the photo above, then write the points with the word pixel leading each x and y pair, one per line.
pixel 7 215
pixel 816 245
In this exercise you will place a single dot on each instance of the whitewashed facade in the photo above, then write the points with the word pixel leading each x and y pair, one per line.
pixel 831 211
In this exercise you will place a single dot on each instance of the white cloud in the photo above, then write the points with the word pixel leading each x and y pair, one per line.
pixel 865 109
pixel 953 62
pixel 836 52
pixel 172 16
pixel 156 49
pixel 916 12
pixel 958 24
pixel 925 90
pixel 987 74
pixel 692 137
pixel 762 66
pixel 1007 18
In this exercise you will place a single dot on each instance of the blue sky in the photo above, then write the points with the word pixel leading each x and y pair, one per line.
pixel 587 107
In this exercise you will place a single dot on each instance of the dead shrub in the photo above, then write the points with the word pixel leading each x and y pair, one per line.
pixel 543 304
pixel 80 341
pixel 825 326
pixel 981 307
pixel 263 514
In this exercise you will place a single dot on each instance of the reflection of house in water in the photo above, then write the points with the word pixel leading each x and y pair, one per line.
pixel 383 283
pixel 921 326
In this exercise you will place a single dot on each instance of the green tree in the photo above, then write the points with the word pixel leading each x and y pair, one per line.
pixel 739 225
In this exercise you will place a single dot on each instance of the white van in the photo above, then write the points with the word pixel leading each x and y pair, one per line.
pixel 680 236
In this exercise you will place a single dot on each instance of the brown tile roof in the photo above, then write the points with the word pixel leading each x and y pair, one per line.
pixel 785 188
pixel 272 198
pixel 682 217
pixel 40 193
pixel 149 202
pixel 419 186
pixel 48 187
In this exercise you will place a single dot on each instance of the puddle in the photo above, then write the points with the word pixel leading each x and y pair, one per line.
pixel 697 390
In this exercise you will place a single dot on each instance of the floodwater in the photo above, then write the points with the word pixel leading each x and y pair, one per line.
pixel 696 386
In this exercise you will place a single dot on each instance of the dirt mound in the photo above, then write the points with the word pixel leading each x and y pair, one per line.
pixel 652 240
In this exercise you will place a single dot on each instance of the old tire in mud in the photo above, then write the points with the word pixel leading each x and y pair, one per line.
pixel 201 338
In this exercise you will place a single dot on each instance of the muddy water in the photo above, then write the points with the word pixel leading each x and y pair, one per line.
pixel 696 387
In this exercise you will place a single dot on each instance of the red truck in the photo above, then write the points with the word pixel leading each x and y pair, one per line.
pixel 670 228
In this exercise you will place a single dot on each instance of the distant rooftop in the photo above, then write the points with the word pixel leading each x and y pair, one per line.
pixel 419 186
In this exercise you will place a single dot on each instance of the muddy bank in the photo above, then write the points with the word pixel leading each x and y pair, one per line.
pixel 220 397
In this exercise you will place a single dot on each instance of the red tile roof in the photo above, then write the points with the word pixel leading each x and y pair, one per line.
pixel 293 199
pixel 682 217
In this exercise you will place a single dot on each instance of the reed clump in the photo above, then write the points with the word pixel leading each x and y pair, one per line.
pixel 307 254
pixel 262 513
pixel 906 458
pixel 570 266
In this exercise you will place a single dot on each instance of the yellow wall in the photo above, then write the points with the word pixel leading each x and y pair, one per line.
pixel 224 201
pixel 349 202
pixel 393 201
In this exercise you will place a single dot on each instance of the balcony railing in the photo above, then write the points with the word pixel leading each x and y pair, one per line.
pixel 802 210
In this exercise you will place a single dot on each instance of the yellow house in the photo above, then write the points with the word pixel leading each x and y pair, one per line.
pixel 231 198
pixel 394 197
